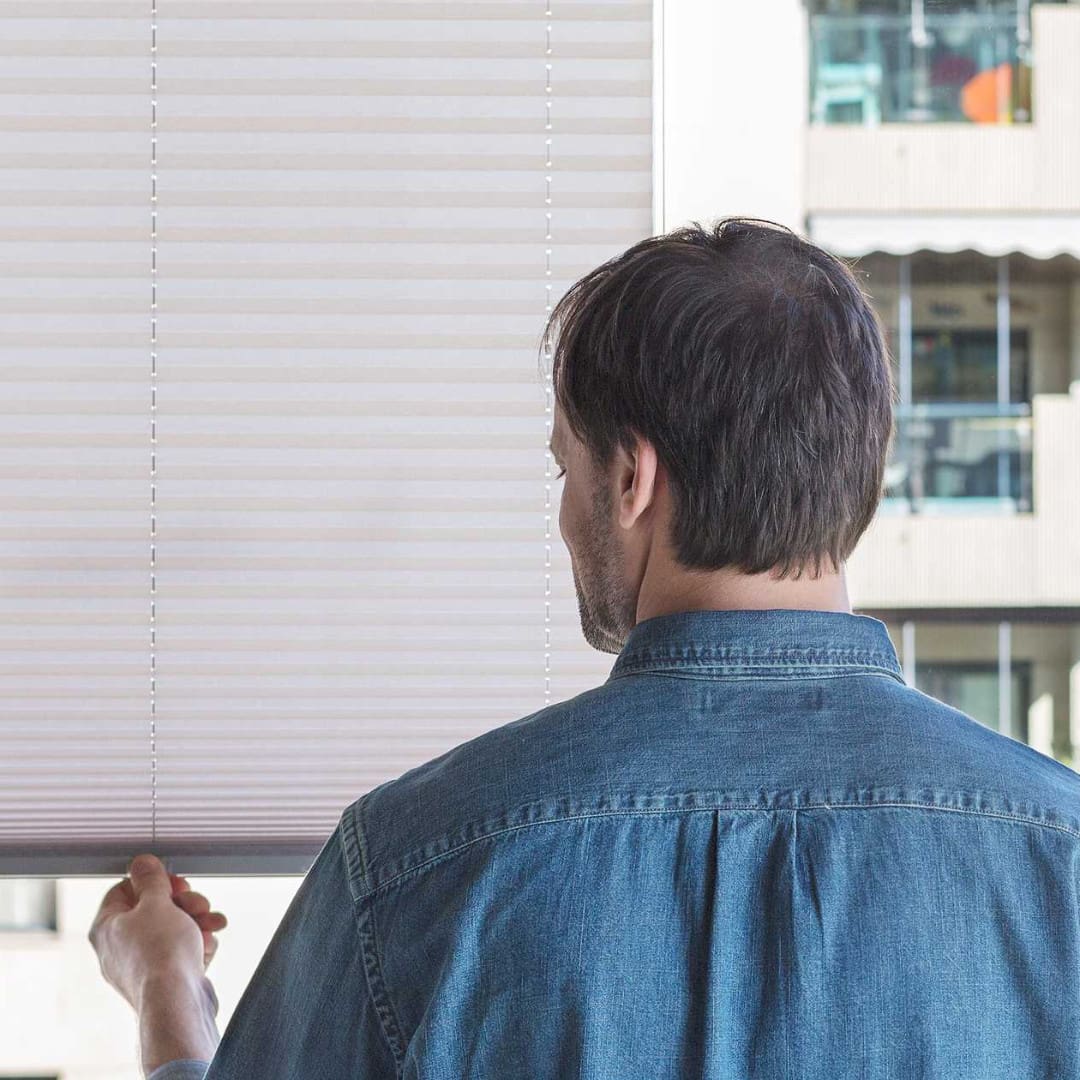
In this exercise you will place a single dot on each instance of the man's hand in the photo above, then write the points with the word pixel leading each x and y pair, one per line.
pixel 151 925
pixel 154 938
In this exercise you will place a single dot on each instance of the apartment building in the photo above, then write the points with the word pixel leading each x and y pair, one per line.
pixel 934 145
pixel 942 152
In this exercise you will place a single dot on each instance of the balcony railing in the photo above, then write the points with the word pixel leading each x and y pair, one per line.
pixel 949 458
pixel 963 67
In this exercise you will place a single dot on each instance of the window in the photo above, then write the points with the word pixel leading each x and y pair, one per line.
pixel 27 904
pixel 972 338
pixel 901 62
pixel 960 365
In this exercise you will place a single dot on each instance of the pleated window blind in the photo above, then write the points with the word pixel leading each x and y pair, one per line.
pixel 278 518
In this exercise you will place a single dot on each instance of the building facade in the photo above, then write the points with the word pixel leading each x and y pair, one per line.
pixel 934 146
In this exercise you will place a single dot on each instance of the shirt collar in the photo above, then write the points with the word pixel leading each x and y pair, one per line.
pixel 784 642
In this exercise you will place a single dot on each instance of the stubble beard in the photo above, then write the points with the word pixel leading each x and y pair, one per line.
pixel 604 606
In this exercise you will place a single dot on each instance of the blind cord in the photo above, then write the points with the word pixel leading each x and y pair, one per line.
pixel 153 421
pixel 548 387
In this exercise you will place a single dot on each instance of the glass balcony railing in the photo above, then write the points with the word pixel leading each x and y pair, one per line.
pixel 964 67
pixel 960 458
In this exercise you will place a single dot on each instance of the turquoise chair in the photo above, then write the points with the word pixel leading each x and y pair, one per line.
pixel 848 84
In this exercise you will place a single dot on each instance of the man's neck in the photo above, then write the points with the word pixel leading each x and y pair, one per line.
pixel 723 590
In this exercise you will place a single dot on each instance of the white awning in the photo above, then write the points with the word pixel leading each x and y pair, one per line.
pixel 1042 236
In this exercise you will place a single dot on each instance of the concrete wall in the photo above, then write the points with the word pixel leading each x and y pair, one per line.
pixel 734 90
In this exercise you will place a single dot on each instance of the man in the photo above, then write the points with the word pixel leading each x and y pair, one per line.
pixel 753 851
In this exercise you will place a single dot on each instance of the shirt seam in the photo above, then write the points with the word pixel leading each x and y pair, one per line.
pixel 353 851
pixel 765 654
pixel 378 991
pixel 389 1022
pixel 804 671
pixel 822 671
pixel 639 812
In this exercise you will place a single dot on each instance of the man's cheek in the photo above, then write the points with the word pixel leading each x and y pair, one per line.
pixel 562 520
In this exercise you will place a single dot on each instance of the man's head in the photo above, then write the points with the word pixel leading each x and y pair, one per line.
pixel 723 407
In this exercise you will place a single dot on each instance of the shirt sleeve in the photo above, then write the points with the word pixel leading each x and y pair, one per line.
pixel 307 1011
pixel 180 1070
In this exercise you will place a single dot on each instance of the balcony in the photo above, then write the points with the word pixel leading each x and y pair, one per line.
pixel 953 184
pixel 972 555
pixel 965 67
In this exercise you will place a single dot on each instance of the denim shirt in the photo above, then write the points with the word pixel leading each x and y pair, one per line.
pixel 753 851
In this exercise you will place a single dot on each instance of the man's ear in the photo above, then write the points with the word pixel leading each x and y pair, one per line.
pixel 639 476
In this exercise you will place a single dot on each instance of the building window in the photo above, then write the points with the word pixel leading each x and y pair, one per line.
pixel 978 451
pixel 960 365
pixel 908 61
pixel 972 338
pixel 27 904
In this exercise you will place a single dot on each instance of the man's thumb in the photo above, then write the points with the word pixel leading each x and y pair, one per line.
pixel 148 875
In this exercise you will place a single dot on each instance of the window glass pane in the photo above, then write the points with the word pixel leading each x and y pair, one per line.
pixel 27 904
pixel 898 61
pixel 961 365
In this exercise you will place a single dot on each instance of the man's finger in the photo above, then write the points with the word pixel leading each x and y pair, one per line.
pixel 209 920
pixel 149 876
pixel 212 921
pixel 192 902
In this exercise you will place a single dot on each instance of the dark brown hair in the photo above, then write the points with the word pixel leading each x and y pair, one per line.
pixel 756 365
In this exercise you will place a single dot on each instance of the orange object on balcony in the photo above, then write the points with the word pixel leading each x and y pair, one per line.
pixel 987 98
